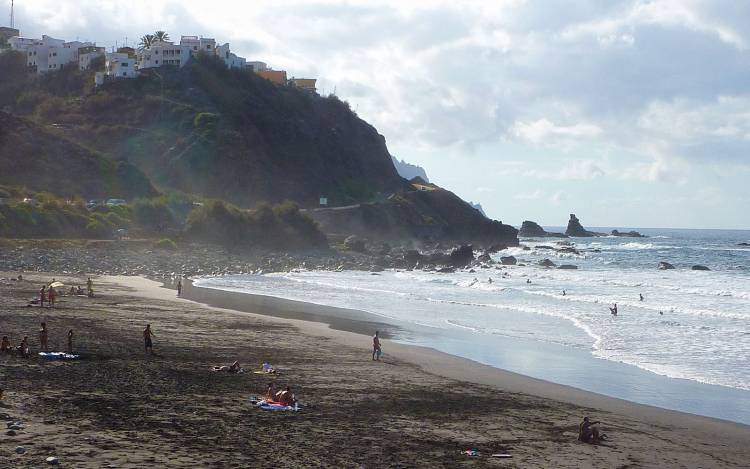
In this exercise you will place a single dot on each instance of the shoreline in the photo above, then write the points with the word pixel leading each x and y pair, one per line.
pixel 326 320
pixel 117 406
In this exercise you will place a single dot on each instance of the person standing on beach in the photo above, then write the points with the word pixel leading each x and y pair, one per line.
pixel 70 341
pixel 179 287
pixel 90 286
pixel 52 295
pixel 42 295
pixel 147 334
pixel 376 350
pixel 43 337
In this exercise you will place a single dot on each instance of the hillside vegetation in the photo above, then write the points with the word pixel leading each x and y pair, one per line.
pixel 215 132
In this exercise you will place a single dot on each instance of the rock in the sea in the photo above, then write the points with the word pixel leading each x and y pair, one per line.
pixel 462 256
pixel 446 270
pixel 486 258
pixel 52 461
pixel 568 267
pixel 665 266
pixel 508 260
pixel 354 243
pixel 496 248
pixel 20 450
pixel 576 229
pixel 629 234
pixel 700 267
pixel 413 256
pixel 546 263
pixel 743 244
pixel 530 229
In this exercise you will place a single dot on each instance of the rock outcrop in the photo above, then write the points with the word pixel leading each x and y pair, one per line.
pixel 629 234
pixel 700 267
pixel 576 229
pixel 546 263
pixel 568 267
pixel 508 260
pixel 530 229
pixel 665 266
pixel 462 256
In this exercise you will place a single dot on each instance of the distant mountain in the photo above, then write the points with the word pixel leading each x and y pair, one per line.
pixel 478 206
pixel 409 171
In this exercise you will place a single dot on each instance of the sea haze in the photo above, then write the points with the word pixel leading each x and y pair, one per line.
pixel 693 357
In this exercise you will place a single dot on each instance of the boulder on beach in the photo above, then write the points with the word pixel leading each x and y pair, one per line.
pixel 699 267
pixel 508 260
pixel 546 263
pixel 576 229
pixel 446 270
pixel 665 266
pixel 486 258
pixel 412 257
pixel 530 229
pixel 497 248
pixel 568 267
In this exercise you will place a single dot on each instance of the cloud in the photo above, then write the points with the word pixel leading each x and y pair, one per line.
pixel 544 131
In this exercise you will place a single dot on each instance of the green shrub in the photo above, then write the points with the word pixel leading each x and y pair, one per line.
pixel 281 227
pixel 166 243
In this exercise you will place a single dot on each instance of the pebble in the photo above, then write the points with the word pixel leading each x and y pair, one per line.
pixel 20 449
pixel 52 461
pixel 11 433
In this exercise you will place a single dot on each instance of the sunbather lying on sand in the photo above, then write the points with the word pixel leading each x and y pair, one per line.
pixel 233 368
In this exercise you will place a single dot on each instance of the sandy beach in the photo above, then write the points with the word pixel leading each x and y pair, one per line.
pixel 117 407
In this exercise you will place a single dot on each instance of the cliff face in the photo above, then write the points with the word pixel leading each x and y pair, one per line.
pixel 410 171
pixel 219 133
pixel 437 215
pixel 41 160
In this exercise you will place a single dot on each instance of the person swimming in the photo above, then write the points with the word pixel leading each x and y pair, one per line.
pixel 613 310
pixel 641 296
pixel 563 293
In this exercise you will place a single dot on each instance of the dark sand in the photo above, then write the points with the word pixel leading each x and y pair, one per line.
pixel 417 408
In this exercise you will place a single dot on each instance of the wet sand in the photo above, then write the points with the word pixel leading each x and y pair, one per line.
pixel 417 408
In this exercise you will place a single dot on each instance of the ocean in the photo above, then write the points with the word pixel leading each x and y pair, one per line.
pixel 685 346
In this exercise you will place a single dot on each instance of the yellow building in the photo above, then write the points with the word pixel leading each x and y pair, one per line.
pixel 307 84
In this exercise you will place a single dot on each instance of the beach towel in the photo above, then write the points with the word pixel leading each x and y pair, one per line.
pixel 58 356
pixel 272 405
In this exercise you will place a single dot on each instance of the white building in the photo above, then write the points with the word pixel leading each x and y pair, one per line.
pixel 163 53
pixel 48 54
pixel 87 55
pixel 120 65
pixel 198 44
pixel 256 66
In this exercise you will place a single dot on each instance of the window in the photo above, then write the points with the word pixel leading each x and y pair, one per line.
pixel 157 62
pixel 124 74
pixel 124 64
pixel 195 47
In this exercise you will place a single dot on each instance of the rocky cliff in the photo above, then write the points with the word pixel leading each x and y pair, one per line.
pixel 434 216
pixel 575 228
pixel 530 229
pixel 409 171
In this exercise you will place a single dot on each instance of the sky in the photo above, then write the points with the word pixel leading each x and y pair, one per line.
pixel 627 113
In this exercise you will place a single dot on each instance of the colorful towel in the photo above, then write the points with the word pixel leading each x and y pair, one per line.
pixel 58 356
pixel 271 405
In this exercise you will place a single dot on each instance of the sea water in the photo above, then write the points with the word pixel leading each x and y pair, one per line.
pixel 685 346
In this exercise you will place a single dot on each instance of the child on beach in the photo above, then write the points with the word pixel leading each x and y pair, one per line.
pixel 42 295
pixel 23 348
pixel 147 334
pixel 90 286
pixel 43 337
pixel 5 344
pixel 588 433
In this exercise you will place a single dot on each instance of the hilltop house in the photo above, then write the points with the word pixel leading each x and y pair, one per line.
pixel 48 54
pixel 87 54
pixel 305 84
